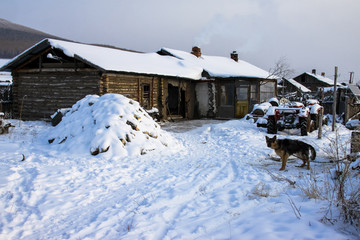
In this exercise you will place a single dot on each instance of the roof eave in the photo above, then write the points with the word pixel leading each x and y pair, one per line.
pixel 77 57
pixel 26 55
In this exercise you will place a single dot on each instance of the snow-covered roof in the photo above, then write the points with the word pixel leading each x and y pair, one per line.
pixel 175 63
pixel 3 61
pixel 110 59
pixel 323 79
pixel 355 90
pixel 5 77
pixel 217 66
pixel 298 85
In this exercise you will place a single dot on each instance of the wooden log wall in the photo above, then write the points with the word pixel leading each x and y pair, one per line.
pixel 131 86
pixel 163 93
pixel 352 108
pixel 37 95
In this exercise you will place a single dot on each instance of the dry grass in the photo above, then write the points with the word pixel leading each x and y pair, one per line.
pixel 311 187
pixel 340 185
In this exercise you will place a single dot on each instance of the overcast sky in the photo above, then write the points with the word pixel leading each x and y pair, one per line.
pixel 310 34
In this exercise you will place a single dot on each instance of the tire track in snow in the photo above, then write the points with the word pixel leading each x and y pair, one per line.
pixel 20 201
pixel 179 201
pixel 148 196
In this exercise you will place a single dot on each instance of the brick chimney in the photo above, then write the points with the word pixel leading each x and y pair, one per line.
pixel 196 51
pixel 234 56
pixel 313 71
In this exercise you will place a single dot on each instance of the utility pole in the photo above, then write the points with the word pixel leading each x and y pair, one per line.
pixel 321 114
pixel 334 101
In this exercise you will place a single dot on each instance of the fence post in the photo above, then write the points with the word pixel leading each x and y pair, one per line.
pixel 355 141
pixel 320 121
pixel 334 100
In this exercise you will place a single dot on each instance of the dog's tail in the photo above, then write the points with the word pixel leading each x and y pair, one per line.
pixel 313 152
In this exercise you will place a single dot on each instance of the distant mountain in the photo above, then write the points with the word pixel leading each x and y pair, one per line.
pixel 15 38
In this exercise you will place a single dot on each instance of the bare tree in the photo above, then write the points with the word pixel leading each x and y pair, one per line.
pixel 281 69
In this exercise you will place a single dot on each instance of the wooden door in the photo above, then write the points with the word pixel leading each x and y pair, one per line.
pixel 242 101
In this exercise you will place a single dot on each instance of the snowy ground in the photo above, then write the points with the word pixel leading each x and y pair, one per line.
pixel 214 184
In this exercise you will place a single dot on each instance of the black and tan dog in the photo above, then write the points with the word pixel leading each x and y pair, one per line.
pixel 287 147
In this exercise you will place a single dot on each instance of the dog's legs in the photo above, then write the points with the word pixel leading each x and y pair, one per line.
pixel 305 160
pixel 308 163
pixel 284 159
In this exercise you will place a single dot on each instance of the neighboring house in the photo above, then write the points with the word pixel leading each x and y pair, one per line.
pixel 229 87
pixel 314 81
pixel 347 101
pixel 289 88
pixel 5 91
pixel 322 88
pixel 54 74
pixel 350 102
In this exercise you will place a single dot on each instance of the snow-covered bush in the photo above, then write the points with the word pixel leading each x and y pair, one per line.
pixel 111 123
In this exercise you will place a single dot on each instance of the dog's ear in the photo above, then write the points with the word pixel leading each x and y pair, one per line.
pixel 267 138
pixel 274 138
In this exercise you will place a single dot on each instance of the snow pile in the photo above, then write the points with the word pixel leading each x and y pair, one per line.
pixel 353 124
pixel 111 123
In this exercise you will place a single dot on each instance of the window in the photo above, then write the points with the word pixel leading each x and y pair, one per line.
pixel 253 93
pixel 145 96
pixel 227 94
pixel 242 93
pixel 267 91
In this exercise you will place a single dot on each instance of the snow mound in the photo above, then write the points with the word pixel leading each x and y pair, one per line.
pixel 111 124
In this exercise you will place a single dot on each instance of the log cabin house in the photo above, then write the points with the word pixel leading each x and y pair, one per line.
pixel 292 90
pixel 54 74
pixel 313 81
pixel 347 95
pixel 228 87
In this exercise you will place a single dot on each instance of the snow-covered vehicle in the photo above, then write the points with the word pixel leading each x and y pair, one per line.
pixel 315 108
pixel 259 111
pixel 294 115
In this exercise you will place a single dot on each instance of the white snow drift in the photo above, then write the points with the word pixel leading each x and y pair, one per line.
pixel 219 183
